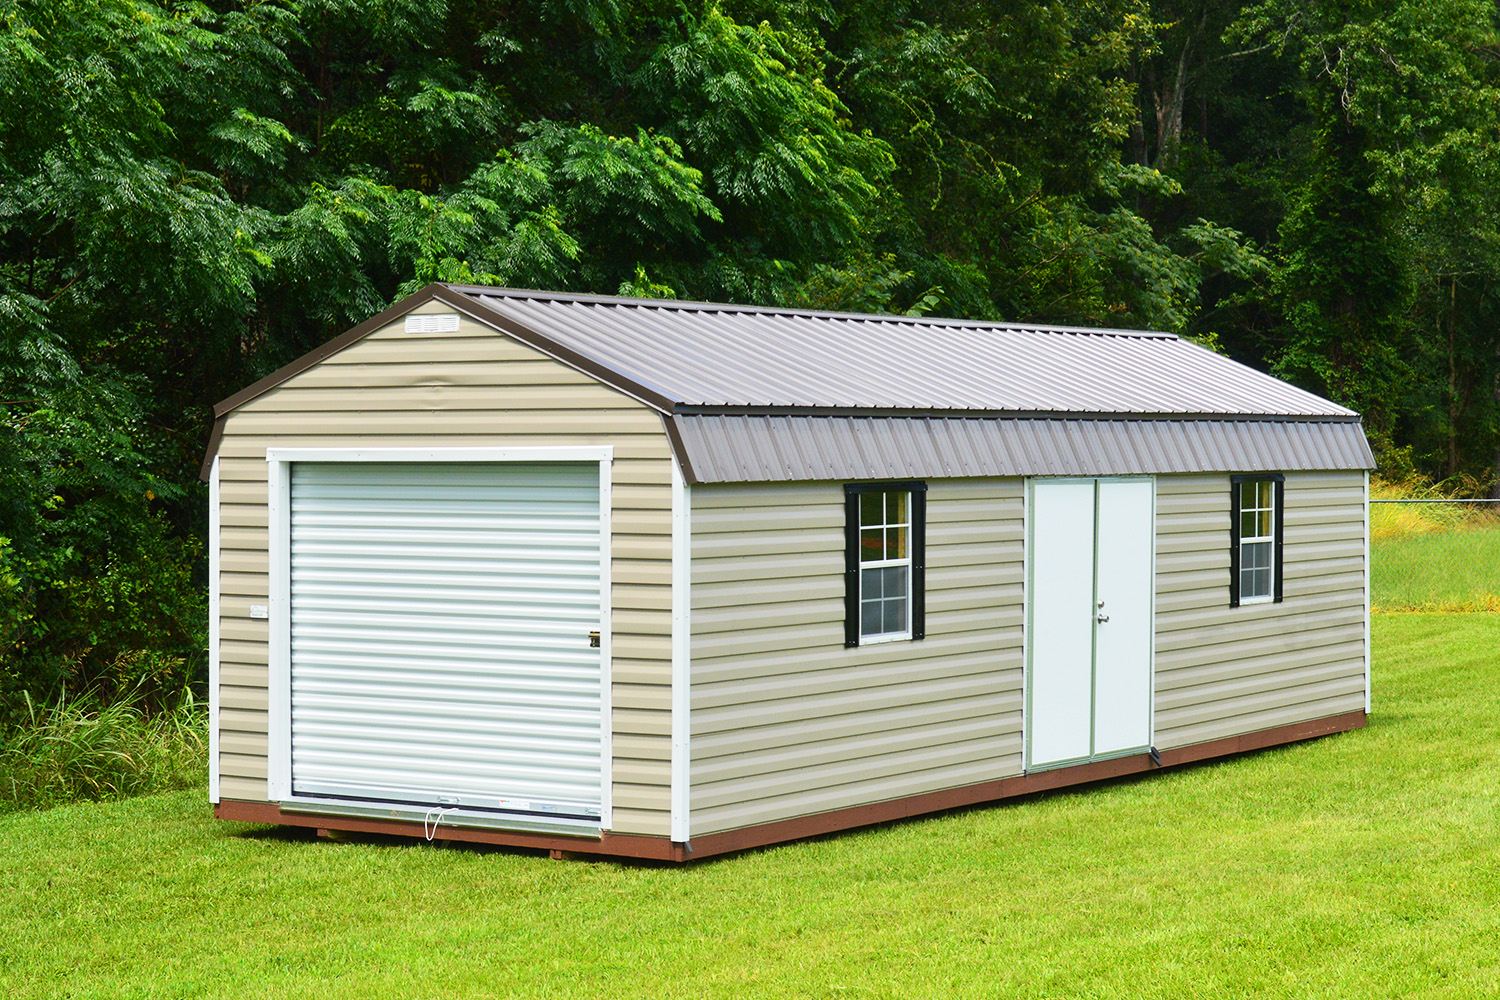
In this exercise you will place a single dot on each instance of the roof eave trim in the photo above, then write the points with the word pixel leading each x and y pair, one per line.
pixel 466 304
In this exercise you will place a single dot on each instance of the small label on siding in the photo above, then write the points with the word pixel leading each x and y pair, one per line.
pixel 434 323
pixel 260 611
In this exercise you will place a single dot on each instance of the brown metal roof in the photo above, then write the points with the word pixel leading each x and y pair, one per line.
pixel 710 367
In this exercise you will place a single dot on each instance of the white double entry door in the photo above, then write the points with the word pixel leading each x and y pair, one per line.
pixel 1089 642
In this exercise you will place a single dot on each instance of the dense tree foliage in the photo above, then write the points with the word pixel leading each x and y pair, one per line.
pixel 192 194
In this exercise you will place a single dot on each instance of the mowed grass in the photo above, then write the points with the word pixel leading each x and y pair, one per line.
pixel 1432 556
pixel 1452 571
pixel 1361 865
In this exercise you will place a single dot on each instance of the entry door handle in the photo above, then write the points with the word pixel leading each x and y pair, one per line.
pixel 1104 618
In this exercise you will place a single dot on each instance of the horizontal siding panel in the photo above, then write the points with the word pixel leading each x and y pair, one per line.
pixel 767 570
pixel 1300 481
pixel 641 696
pixel 234 787
pixel 721 605
pixel 706 670
pixel 870 768
pixel 1242 688
pixel 642 722
pixel 980 686
pixel 243 720
pixel 242 765
pixel 1174 631
pixel 642 822
pixel 1209 656
pixel 745 745
pixel 1253 722
pixel 243 629
pixel 242 675
pixel 248 744
pixel 641 772
pixel 639 798
pixel 633 747
pixel 252 698
pixel 855 682
pixel 770 810
pixel 814 754
pixel 1290 694
pixel 650 673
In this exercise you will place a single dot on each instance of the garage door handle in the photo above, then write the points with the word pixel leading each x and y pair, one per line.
pixel 593 640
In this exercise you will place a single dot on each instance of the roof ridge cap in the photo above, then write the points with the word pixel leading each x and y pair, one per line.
pixel 691 305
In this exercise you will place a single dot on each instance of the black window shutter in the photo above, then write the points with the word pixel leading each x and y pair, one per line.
pixel 1234 540
pixel 918 560
pixel 851 566
pixel 1276 548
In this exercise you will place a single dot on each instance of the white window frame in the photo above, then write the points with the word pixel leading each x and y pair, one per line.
pixel 1238 484
pixel 279 707
pixel 861 527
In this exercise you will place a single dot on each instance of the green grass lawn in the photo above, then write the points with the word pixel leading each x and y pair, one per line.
pixel 1362 865
pixel 1454 570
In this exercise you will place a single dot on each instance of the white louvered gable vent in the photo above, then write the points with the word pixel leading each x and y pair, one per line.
pixel 432 323
pixel 440 635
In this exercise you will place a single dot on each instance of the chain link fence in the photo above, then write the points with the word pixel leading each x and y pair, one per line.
pixel 1434 554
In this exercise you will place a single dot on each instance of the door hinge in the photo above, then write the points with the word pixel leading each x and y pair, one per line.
pixel 593 640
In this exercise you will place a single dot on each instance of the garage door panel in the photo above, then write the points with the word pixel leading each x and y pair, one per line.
pixel 440 634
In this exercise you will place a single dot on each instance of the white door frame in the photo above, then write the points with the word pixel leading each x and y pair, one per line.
pixel 1028 591
pixel 279 707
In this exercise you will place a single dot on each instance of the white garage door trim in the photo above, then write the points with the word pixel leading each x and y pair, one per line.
pixel 279 763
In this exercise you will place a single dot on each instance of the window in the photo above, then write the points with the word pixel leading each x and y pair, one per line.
pixel 884 561
pixel 1255 545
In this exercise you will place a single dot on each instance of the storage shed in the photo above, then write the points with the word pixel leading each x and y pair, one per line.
pixel 668 579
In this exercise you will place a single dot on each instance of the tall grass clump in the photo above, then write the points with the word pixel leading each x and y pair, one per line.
pixel 81 750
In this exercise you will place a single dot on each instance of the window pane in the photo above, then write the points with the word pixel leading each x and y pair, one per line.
pixel 870 508
pixel 1261 583
pixel 1247 496
pixel 869 584
pixel 1247 524
pixel 1263 523
pixel 871 545
pixel 869 618
pixel 895 581
pixel 895 616
pixel 1263 494
pixel 895 508
pixel 1256 555
pixel 895 543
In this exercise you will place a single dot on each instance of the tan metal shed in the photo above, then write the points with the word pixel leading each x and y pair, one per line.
pixel 666 579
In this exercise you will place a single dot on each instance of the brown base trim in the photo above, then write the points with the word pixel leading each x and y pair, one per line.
pixel 1023 784
pixel 661 849
pixel 609 844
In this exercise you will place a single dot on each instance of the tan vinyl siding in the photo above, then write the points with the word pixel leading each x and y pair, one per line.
pixel 1223 671
pixel 471 388
pixel 785 720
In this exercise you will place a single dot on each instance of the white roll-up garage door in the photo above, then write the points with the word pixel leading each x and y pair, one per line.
pixel 440 634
